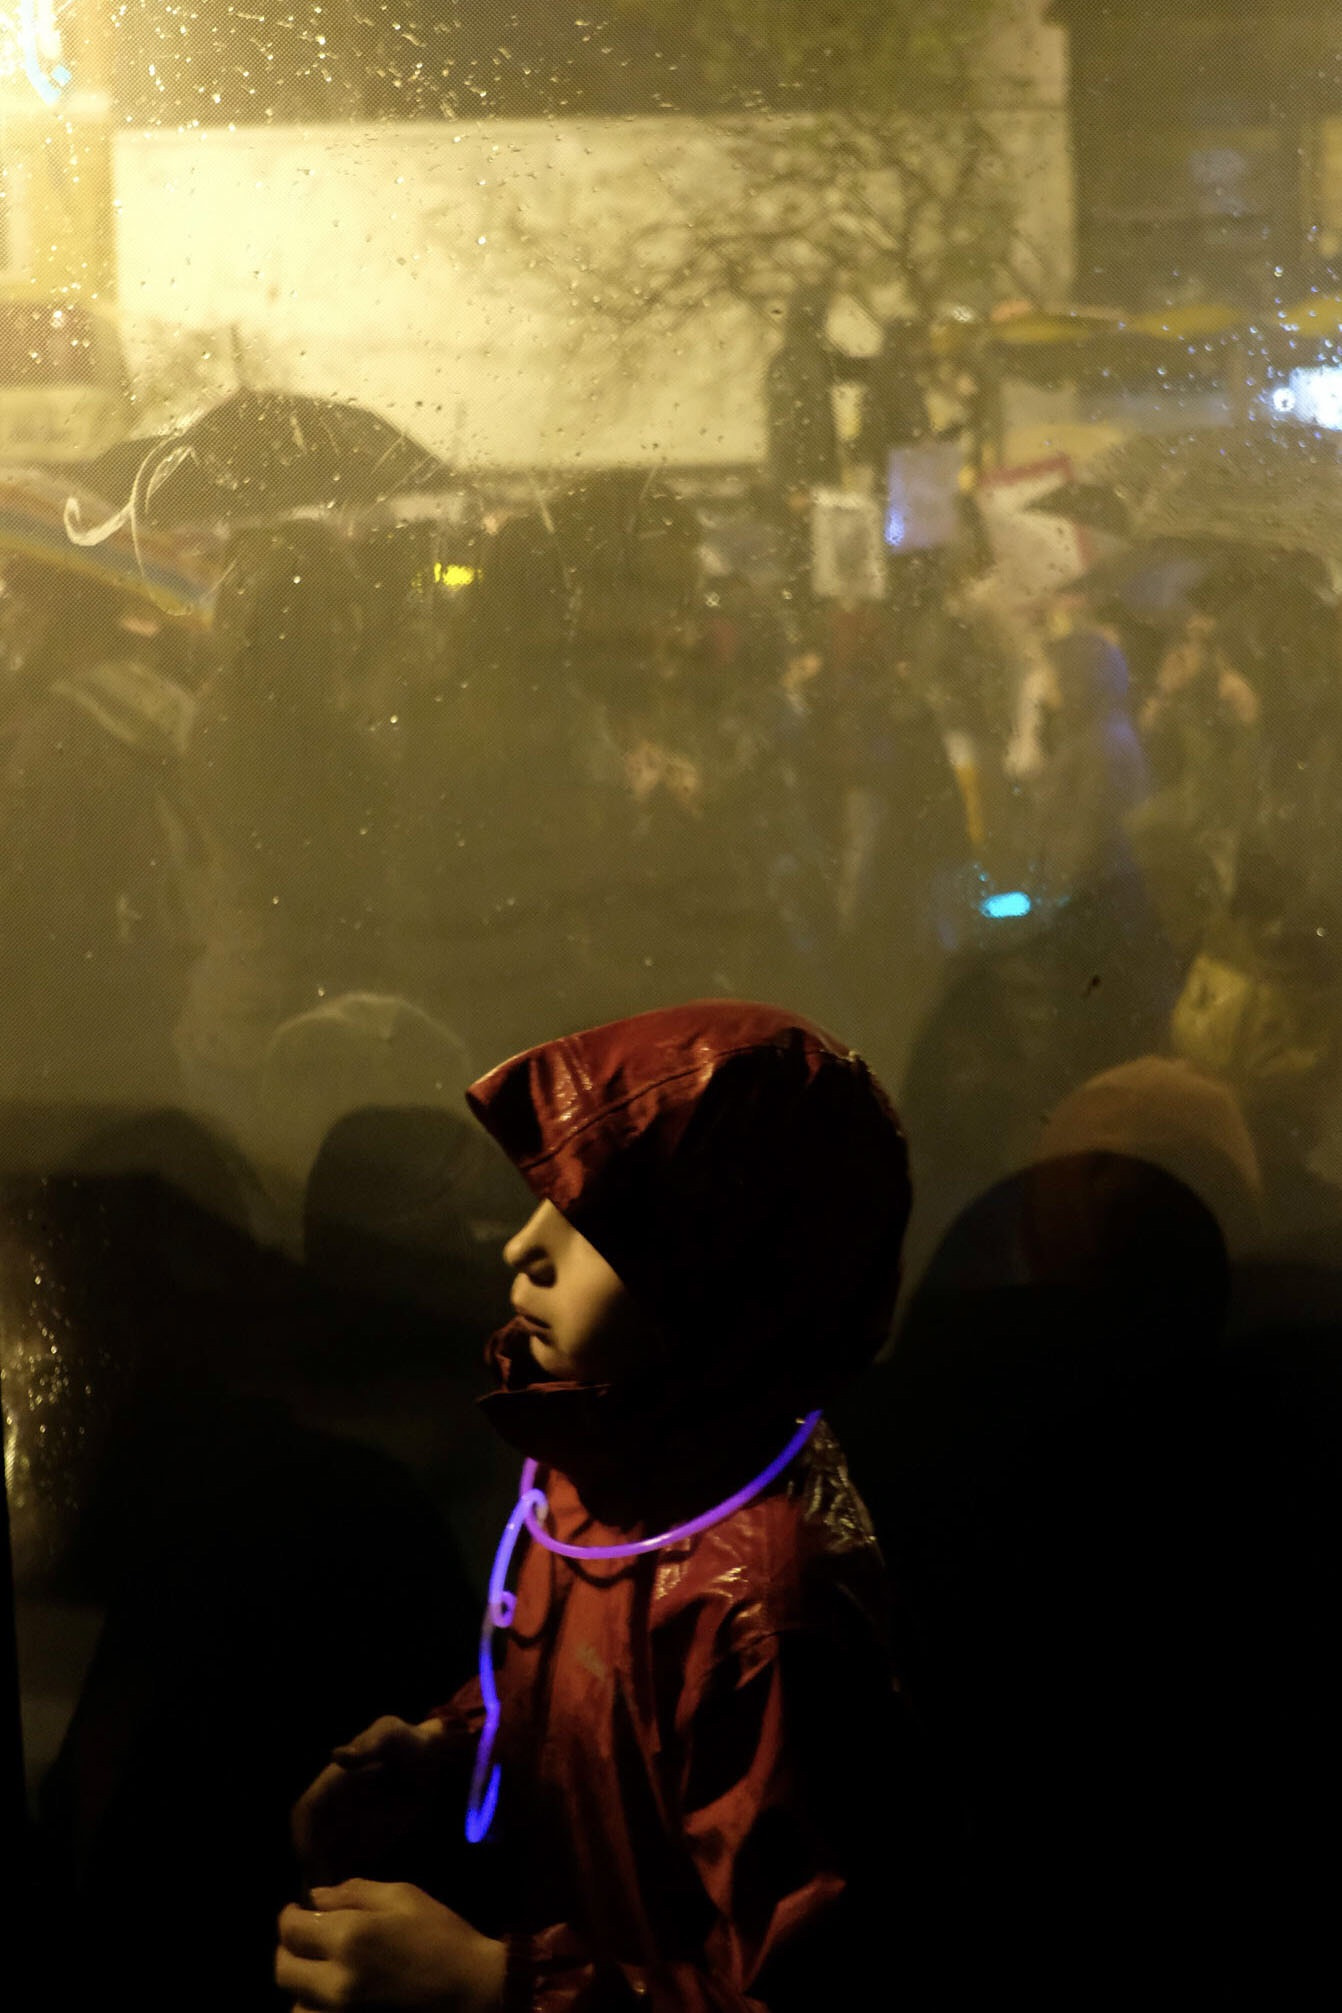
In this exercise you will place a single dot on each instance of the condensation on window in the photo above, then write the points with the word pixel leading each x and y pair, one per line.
pixel 513 516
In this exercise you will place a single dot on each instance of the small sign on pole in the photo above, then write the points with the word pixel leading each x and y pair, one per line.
pixel 923 497
pixel 847 546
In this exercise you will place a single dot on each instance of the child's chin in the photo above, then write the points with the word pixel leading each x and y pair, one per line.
pixel 548 1358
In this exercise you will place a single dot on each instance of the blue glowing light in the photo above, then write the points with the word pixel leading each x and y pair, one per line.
pixel 500 1605
pixel 998 908
pixel 896 528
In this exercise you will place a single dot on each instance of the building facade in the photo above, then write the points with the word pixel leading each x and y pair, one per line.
pixel 478 241
pixel 1207 142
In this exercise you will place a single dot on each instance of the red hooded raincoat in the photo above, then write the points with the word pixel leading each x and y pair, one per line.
pixel 693 1741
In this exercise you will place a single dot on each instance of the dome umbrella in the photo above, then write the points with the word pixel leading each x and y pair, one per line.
pixel 112 472
pixel 1089 503
pixel 1153 584
pixel 265 454
pixel 1274 487
pixel 1107 496
pixel 1102 345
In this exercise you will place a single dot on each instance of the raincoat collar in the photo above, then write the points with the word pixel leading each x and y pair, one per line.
pixel 639 1453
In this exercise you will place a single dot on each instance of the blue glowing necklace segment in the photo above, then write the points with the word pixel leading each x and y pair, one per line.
pixel 499 1608
pixel 500 1605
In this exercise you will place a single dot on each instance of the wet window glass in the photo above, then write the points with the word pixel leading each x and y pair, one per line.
pixel 516 517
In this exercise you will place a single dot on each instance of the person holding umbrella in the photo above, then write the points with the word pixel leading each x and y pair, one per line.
pixel 95 846
pixel 290 803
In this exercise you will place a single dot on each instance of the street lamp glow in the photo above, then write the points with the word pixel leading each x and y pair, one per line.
pixel 30 43
pixel 1317 397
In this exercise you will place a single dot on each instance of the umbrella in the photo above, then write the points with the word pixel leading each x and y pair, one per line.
pixel 1117 484
pixel 1274 487
pixel 163 570
pixel 1091 503
pixel 264 454
pixel 1097 343
pixel 112 472
pixel 1152 583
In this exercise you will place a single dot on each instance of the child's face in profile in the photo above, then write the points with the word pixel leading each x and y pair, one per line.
pixel 582 1321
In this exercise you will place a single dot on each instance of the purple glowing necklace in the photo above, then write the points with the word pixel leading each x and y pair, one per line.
pixel 500 1605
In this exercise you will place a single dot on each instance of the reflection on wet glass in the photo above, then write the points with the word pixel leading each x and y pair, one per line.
pixel 510 518
pixel 59 1381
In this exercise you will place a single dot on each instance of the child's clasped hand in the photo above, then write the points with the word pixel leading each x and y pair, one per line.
pixel 386 1944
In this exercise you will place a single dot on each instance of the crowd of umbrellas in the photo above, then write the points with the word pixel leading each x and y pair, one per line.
pixel 150 516
pixel 1177 505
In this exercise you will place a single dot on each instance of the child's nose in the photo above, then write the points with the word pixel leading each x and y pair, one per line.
pixel 525 1244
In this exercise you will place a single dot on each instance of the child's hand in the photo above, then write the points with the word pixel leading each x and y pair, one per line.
pixel 374 1943
pixel 367 1799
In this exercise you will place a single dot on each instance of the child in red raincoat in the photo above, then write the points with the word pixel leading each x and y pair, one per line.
pixel 697 1744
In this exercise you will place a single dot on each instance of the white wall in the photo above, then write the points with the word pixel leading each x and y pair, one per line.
pixel 1028 53
pixel 413 267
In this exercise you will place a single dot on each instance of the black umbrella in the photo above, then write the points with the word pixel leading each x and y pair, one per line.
pixel 1154 584
pixel 112 473
pixel 1113 490
pixel 1092 504
pixel 261 454
pixel 1274 487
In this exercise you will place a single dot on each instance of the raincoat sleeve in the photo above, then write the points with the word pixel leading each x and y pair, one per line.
pixel 777 1762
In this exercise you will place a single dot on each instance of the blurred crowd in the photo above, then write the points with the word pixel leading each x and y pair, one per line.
pixel 580 775
pixel 613 749
pixel 581 752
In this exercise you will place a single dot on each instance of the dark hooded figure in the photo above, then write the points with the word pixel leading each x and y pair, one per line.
pixel 693 1741
pixel 802 432
pixel 1112 1531
pixel 894 404
pixel 290 799
pixel 676 894
pixel 95 834
pixel 799 390
pixel 208 1589
pixel 494 842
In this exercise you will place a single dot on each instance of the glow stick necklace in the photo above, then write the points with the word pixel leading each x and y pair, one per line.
pixel 500 1605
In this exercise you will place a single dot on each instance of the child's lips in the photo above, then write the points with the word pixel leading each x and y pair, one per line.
pixel 531 1322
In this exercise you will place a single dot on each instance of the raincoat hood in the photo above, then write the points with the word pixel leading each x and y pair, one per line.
pixel 745 1176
